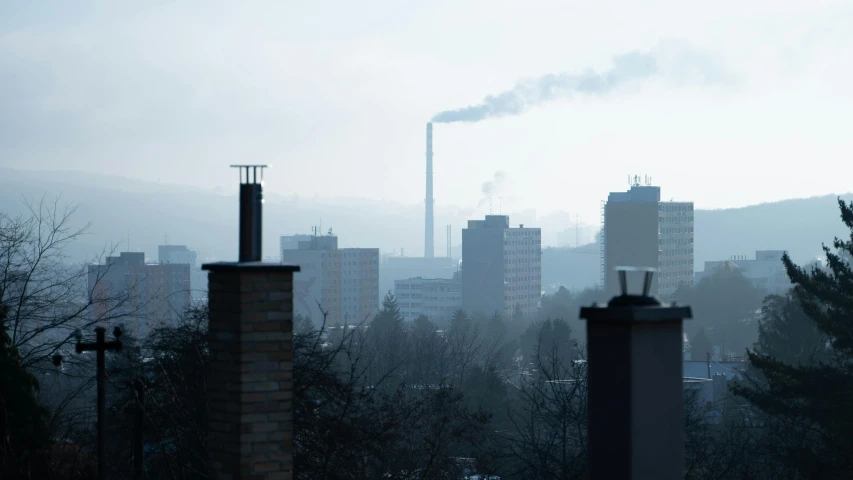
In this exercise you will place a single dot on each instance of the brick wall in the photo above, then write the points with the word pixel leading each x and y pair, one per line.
pixel 250 384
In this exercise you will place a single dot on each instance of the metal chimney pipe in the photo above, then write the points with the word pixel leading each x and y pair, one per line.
pixel 429 236
pixel 251 199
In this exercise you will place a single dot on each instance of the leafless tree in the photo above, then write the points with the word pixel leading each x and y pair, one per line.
pixel 48 296
pixel 548 438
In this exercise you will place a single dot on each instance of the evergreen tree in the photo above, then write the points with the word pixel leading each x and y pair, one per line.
pixel 388 320
pixel 387 336
pixel 517 315
pixel 787 334
pixel 23 422
pixel 700 346
pixel 815 397
pixel 725 301
pixel 422 324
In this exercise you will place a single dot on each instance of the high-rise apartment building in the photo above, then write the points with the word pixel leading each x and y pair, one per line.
pixel 180 254
pixel 308 242
pixel 641 231
pixel 437 298
pixel 141 295
pixel 343 283
pixel 501 266
pixel 176 254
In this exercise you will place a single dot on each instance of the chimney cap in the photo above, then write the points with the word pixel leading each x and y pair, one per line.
pixel 253 169
pixel 631 308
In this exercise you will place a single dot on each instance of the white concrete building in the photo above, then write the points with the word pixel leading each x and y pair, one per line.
pixel 342 282
pixel 676 246
pixel 437 298
pixel 765 270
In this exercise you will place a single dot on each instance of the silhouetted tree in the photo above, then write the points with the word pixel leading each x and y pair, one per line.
pixel 700 346
pixel 387 337
pixel 726 302
pixel 814 398
pixel 23 422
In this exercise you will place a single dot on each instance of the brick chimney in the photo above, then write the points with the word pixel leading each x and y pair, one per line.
pixel 250 383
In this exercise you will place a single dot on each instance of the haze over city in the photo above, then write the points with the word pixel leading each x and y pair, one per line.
pixel 461 240
pixel 336 98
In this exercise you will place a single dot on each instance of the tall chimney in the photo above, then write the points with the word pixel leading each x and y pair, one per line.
pixel 250 374
pixel 251 199
pixel 429 236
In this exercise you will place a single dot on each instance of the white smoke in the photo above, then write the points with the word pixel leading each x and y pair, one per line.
pixel 674 60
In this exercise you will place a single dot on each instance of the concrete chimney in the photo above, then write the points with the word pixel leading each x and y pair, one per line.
pixel 429 236
pixel 635 386
pixel 250 376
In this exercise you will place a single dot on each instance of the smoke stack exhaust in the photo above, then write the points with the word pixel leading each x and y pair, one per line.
pixel 429 236
pixel 251 199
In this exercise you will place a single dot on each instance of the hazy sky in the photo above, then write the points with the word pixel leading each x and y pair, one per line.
pixel 335 95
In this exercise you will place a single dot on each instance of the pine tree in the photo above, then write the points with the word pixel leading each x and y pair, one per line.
pixel 700 346
pixel 389 319
pixel 815 397
pixel 387 335
pixel 787 334
pixel 23 422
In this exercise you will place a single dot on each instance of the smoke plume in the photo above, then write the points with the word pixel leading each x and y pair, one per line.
pixel 675 60
pixel 492 188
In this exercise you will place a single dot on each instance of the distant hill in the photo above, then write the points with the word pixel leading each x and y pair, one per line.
pixel 206 220
pixel 798 225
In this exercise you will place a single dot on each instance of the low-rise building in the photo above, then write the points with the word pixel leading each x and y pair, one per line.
pixel 766 270
pixel 437 298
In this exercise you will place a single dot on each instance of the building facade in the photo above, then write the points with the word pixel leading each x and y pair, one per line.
pixel 393 268
pixel 641 231
pixel 437 298
pixel 128 291
pixel 501 266
pixel 766 270
pixel 342 283
pixel 180 254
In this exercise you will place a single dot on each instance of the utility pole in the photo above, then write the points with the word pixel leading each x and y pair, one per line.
pixel 139 388
pixel 708 354
pixel 101 346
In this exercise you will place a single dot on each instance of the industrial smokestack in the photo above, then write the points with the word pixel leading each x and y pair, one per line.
pixel 251 199
pixel 429 237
